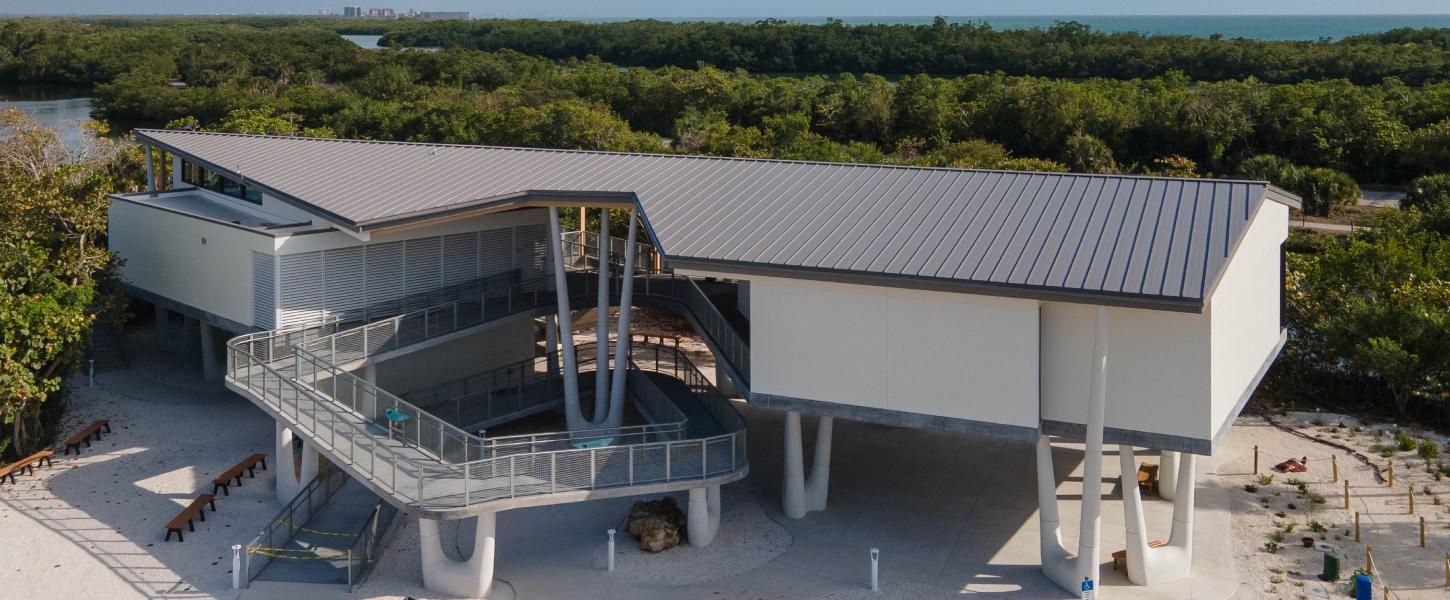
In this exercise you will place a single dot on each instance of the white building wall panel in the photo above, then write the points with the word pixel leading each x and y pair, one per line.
pixel 264 290
pixel 1158 367
pixel 194 262
pixel 1244 311
pixel 933 353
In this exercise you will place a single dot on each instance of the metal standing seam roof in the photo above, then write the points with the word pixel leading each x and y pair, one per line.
pixel 1129 240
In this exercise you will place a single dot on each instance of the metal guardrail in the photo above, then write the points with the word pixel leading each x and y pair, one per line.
pixel 280 531
pixel 582 248
pixel 418 477
pixel 363 555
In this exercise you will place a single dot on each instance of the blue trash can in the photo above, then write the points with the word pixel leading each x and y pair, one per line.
pixel 1363 587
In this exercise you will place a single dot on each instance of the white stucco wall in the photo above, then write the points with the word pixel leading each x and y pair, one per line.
pixel 1158 368
pixel 933 353
pixel 165 255
pixel 1244 311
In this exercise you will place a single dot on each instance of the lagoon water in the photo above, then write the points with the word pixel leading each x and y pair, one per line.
pixel 1257 27
pixel 63 108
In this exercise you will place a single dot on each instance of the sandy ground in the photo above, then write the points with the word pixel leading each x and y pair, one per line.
pixel 953 515
pixel 1385 520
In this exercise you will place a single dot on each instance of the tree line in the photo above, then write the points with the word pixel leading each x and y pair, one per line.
pixel 1067 49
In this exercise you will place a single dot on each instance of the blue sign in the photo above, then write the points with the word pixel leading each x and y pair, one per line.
pixel 1087 585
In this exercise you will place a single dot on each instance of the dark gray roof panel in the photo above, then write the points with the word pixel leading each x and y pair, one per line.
pixel 1105 235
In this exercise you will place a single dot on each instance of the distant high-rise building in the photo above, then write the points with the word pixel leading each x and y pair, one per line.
pixel 445 16
pixel 381 13
pixel 352 11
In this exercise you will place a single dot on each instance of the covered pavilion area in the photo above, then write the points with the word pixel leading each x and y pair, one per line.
pixel 952 514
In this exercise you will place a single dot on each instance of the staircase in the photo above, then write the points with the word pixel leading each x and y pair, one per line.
pixel 107 346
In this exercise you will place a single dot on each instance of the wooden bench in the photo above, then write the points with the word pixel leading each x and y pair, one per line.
pixel 26 464
pixel 84 435
pixel 1120 558
pixel 197 508
pixel 1148 478
pixel 249 465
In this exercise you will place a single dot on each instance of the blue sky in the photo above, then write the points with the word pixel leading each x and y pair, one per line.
pixel 746 8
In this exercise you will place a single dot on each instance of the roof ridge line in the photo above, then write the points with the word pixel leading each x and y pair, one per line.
pixel 708 157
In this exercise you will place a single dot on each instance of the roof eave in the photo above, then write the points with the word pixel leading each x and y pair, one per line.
pixel 937 284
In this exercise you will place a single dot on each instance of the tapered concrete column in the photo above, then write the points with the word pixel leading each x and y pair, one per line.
pixel 819 483
pixel 1088 554
pixel 471 577
pixel 622 337
pixel 1167 474
pixel 210 370
pixel 1056 563
pixel 601 347
pixel 799 495
pixel 290 476
pixel 703 519
pixel 1178 555
pixel 176 182
pixel 572 417
pixel 1134 525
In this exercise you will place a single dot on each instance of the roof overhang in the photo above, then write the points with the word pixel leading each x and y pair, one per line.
pixel 935 284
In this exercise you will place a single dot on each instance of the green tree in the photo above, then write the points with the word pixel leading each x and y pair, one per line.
pixel 51 259
pixel 1086 154
pixel 1325 191
pixel 1428 192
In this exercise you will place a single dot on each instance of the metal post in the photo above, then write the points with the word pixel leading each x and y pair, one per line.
pixel 91 373
pixel 875 569
pixel 511 475
pixel 667 461
pixel 236 566
pixel 611 550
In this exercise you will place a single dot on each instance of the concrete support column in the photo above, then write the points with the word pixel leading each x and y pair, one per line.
pixel 292 477
pixel 369 372
pixel 572 417
pixel 471 577
pixel 211 371
pixel 819 483
pixel 702 521
pixel 1088 554
pixel 601 347
pixel 1056 563
pixel 799 495
pixel 1179 552
pixel 615 417
pixel 1167 474
pixel 1134 525
pixel 176 182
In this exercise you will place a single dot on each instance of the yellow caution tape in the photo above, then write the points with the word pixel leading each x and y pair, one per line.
pixel 283 553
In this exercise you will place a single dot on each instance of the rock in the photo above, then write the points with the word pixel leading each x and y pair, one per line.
pixel 657 524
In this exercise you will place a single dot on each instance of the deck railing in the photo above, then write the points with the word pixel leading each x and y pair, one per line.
pixel 280 531
pixel 417 476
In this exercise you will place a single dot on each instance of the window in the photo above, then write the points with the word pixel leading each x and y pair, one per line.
pixel 201 177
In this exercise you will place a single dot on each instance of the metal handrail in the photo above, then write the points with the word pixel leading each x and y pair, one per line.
pixel 328 481
pixel 363 555
pixel 436 484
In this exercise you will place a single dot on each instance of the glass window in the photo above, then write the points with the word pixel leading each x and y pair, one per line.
pixel 199 176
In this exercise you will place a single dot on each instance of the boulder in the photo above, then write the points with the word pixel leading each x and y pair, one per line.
pixel 657 524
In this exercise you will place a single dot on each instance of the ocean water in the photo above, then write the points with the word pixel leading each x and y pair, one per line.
pixel 1257 27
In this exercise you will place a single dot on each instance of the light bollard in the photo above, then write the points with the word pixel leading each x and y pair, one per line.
pixel 91 373
pixel 611 550
pixel 236 566
pixel 875 569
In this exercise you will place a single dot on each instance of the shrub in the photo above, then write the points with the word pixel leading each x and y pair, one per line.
pixel 1317 527
pixel 1277 536
pixel 1250 488
pixel 1325 191
pixel 1428 192
pixel 1429 450
pixel 1266 480
pixel 1404 441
